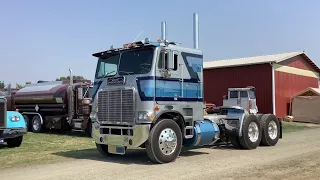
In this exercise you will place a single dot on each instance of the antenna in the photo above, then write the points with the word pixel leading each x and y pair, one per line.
pixel 138 36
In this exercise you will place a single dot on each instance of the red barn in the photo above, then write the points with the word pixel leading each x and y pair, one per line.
pixel 276 77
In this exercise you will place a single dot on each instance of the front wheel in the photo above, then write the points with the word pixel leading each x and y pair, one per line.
pixel 103 149
pixel 26 119
pixel 165 142
pixel 14 142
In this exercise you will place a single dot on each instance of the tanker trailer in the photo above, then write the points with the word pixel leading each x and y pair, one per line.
pixel 64 105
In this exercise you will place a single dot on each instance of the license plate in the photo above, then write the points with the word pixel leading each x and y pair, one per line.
pixel 116 149
pixel 1 141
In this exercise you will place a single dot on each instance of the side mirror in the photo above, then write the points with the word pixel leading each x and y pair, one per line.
pixel 170 64
pixel 80 93
pixel 225 97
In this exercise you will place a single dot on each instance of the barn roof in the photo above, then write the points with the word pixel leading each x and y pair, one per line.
pixel 263 59
pixel 308 92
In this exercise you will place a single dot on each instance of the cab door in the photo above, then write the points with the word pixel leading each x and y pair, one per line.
pixel 168 77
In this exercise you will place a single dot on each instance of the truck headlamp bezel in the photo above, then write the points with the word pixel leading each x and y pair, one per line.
pixel 15 118
pixel 145 115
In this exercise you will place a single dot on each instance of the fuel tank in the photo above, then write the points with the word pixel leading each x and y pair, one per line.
pixel 51 92
pixel 42 93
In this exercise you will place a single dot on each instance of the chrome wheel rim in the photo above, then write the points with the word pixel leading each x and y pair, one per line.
pixel 253 131
pixel 272 130
pixel 167 141
pixel 36 125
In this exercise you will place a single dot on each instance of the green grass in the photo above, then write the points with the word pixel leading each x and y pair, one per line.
pixel 292 127
pixel 44 148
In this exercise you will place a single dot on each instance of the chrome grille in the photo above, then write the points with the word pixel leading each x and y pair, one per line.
pixel 3 112
pixel 116 106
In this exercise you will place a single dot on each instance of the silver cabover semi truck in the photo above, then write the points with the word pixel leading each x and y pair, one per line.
pixel 150 95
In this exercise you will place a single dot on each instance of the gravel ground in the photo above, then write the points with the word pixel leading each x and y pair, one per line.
pixel 296 156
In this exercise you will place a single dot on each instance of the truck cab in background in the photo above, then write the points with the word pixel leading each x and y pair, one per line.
pixel 12 125
pixel 242 97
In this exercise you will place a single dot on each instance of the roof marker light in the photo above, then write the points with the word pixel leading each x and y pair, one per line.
pixel 147 40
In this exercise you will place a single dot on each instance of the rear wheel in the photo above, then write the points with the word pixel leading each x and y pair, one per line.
pixel 270 130
pixel 36 124
pixel 165 142
pixel 235 142
pixel 251 132
pixel 14 142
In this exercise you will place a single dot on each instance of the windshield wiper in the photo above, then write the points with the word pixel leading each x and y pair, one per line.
pixel 108 74
pixel 128 73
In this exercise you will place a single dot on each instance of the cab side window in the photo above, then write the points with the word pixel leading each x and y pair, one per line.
pixel 233 94
pixel 163 61
pixel 163 57
pixel 243 94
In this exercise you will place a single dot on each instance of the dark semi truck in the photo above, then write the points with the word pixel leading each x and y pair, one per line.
pixel 64 105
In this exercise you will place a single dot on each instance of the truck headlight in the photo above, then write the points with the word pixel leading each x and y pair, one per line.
pixel 15 118
pixel 145 116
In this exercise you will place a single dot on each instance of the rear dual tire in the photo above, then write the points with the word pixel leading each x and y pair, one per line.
pixel 270 130
pixel 266 129
pixel 250 134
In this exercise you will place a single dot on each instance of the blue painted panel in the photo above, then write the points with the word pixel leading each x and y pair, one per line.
pixel 15 124
pixel 166 88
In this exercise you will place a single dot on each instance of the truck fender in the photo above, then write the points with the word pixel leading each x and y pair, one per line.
pixel 164 114
pixel 33 113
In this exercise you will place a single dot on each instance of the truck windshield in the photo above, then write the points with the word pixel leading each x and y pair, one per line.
pixel 125 63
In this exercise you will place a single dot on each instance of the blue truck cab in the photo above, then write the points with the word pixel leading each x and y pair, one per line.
pixel 12 125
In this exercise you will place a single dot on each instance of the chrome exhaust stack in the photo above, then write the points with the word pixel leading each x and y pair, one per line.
pixel 163 30
pixel 70 98
pixel 195 31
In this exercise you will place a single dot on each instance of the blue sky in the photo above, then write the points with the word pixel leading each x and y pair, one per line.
pixel 40 40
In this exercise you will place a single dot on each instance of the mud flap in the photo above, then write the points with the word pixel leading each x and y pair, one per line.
pixel 280 122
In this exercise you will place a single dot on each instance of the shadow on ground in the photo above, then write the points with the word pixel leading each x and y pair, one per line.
pixel 63 132
pixel 137 156
pixel 132 156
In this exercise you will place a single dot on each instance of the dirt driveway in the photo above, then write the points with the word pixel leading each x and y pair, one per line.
pixel 297 156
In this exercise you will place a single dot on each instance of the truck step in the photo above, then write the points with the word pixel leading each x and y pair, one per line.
pixel 77 130
pixel 189 128
pixel 188 117
pixel 188 136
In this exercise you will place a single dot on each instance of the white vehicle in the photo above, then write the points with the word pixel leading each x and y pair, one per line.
pixel 242 97
pixel 150 95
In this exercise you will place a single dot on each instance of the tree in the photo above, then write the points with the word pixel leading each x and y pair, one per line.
pixel 63 78
pixel 2 85
pixel 20 86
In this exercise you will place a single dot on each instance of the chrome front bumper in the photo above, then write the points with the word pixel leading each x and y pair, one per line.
pixel 140 134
